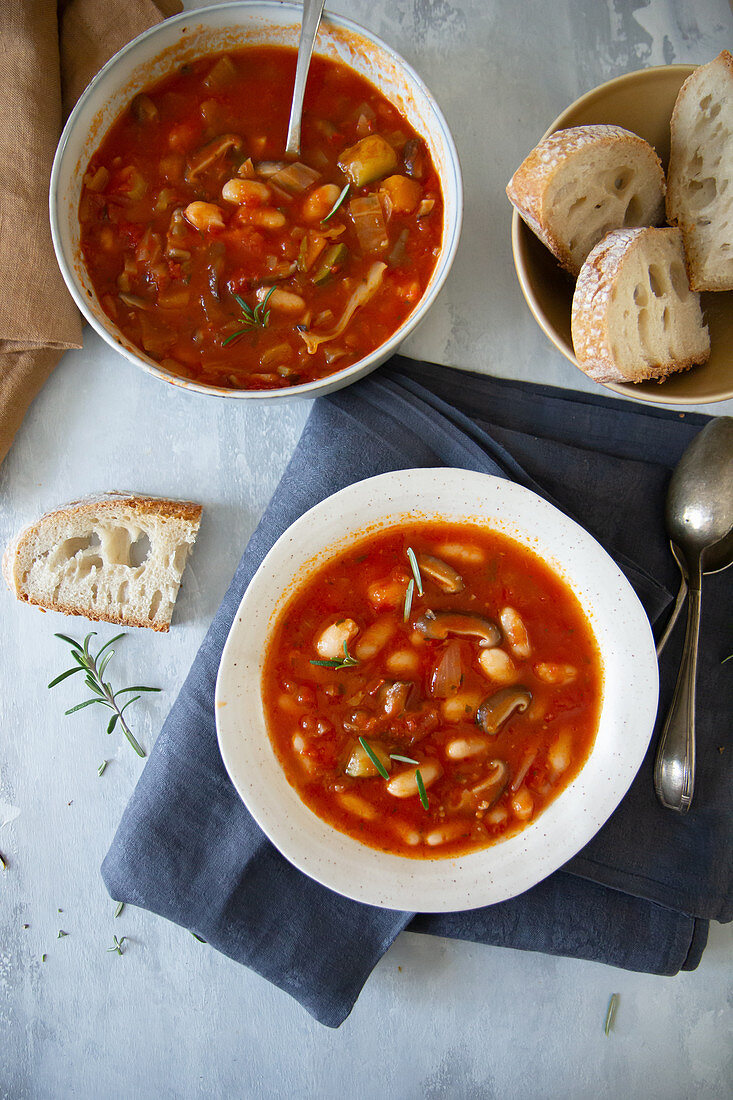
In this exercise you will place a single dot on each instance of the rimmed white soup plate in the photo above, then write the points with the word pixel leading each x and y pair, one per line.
pixel 506 868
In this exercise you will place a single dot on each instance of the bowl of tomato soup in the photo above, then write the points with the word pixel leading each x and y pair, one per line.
pixel 194 246
pixel 436 689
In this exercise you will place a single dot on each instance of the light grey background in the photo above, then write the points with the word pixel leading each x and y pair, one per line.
pixel 171 1018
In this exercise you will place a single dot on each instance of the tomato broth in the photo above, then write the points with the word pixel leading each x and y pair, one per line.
pixel 430 690
pixel 228 264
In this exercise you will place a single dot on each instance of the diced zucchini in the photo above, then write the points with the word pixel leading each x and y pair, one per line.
pixel 333 260
pixel 369 160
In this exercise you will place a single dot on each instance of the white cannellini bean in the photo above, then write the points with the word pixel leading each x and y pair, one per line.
pixel 375 638
pixel 386 594
pixel 461 707
pixel 497 816
pixel 406 833
pixel 300 745
pixel 452 830
pixel 357 805
pixel 204 215
pixel 246 192
pixel 559 753
pixel 552 672
pixel 330 644
pixel 463 552
pixel 288 703
pixel 266 217
pixel 319 202
pixel 404 784
pixel 498 665
pixel 522 804
pixel 284 301
pixel 515 631
pixel 463 748
pixel 403 662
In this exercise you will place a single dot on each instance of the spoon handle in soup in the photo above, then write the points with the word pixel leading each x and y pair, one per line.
pixel 312 11
pixel 674 768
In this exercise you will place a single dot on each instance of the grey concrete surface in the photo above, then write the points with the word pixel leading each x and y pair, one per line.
pixel 171 1018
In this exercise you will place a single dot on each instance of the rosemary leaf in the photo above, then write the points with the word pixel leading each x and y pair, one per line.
pixel 112 723
pixel 611 1013
pixel 374 758
pixel 120 907
pixel 408 600
pixel 100 769
pixel 421 789
pixel 403 759
pixel 80 706
pixel 197 937
pixel 117 945
pixel 3 863
pixel 61 934
pixel 415 569
pixel 339 200
pixel 65 675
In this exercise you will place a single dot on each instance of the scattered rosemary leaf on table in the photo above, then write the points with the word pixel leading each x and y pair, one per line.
pixel 61 934
pixel 421 789
pixel 120 907
pixel 3 863
pixel 374 758
pixel 197 937
pixel 415 569
pixel 117 946
pixel 94 668
pixel 102 766
pixel 726 659
pixel 43 958
pixel 611 1013
pixel 338 662
pixel 408 600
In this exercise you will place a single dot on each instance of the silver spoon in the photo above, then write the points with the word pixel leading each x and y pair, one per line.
pixel 312 11
pixel 716 559
pixel 699 518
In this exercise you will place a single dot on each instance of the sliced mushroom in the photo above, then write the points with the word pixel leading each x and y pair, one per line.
pixel 206 156
pixel 444 575
pixel 498 708
pixel 393 696
pixel 438 625
pixel 493 786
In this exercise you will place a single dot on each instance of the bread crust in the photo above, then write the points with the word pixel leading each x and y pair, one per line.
pixel 528 187
pixel 589 317
pixel 110 502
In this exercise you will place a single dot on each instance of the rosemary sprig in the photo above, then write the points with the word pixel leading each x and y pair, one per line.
pixel 421 789
pixel 374 758
pixel 408 600
pixel 95 667
pixel 415 569
pixel 611 1013
pixel 117 945
pixel 338 662
pixel 259 317
pixel 339 200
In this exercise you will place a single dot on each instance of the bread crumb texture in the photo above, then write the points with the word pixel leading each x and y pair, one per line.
pixel 118 557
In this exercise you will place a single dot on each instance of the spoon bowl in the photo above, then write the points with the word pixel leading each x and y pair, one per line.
pixel 699 518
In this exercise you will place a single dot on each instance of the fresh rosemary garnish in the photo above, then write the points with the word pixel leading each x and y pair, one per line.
pixel 403 759
pixel 415 569
pixel 338 662
pixel 408 600
pixel 43 958
pixel 259 317
pixel 120 907
pixel 339 200
pixel 374 758
pixel 611 1013
pixel 197 937
pixel 95 668
pixel 102 766
pixel 3 863
pixel 421 789
pixel 117 946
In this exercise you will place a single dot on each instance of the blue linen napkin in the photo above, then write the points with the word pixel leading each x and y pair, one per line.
pixel 639 896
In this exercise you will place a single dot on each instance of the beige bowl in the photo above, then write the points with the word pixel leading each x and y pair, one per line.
pixel 641 102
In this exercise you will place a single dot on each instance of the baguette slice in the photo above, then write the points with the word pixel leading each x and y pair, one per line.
pixel 634 316
pixel 117 557
pixel 579 184
pixel 700 178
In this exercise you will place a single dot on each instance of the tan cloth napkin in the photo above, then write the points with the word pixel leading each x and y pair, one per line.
pixel 44 48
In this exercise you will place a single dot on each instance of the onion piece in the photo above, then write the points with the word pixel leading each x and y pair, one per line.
pixel 448 673
pixel 294 178
pixel 369 223
pixel 364 291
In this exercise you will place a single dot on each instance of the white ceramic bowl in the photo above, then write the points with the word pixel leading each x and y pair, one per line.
pixel 161 50
pixel 511 866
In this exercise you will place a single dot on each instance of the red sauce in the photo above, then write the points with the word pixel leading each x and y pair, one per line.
pixel 188 220
pixel 497 717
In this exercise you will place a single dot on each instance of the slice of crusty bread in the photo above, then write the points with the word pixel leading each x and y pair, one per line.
pixel 634 316
pixel 700 177
pixel 117 557
pixel 579 184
